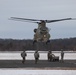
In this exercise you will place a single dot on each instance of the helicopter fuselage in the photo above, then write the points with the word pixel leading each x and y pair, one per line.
pixel 42 32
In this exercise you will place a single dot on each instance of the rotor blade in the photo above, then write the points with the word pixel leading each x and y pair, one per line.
pixel 50 21
pixel 23 20
pixel 16 18
pixel 73 18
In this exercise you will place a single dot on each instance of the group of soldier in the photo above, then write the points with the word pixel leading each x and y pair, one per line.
pixel 36 55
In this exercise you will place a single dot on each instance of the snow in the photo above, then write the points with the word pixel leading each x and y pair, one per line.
pixel 37 72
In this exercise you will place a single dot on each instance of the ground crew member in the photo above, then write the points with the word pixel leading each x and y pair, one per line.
pixel 62 55
pixel 23 55
pixel 49 55
pixel 36 55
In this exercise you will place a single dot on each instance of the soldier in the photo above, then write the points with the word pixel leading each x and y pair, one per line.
pixel 62 55
pixel 49 55
pixel 36 55
pixel 23 55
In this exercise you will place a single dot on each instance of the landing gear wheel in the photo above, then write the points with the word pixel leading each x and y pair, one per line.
pixel 48 42
pixel 34 41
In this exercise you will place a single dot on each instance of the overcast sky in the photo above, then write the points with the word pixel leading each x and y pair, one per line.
pixel 37 9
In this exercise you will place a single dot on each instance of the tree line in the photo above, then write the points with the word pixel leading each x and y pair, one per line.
pixel 27 44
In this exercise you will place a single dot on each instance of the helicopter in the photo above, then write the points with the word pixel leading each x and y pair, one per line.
pixel 41 34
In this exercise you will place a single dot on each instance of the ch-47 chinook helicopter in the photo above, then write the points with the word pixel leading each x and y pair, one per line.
pixel 42 32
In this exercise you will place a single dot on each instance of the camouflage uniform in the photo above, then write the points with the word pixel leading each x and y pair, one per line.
pixel 49 55
pixel 23 55
pixel 36 55
pixel 62 55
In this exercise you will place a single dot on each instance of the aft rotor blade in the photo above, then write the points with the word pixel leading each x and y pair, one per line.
pixel 50 21
pixel 16 18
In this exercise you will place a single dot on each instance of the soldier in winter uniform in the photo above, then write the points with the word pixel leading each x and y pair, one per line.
pixel 36 55
pixel 62 55
pixel 23 55
pixel 49 55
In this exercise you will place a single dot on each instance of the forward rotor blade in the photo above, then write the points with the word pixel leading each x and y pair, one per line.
pixel 38 21
pixel 21 19
pixel 16 18
pixel 50 21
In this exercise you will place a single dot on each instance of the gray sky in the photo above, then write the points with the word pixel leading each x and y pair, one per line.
pixel 37 9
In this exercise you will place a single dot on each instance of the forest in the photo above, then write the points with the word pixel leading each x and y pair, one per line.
pixel 67 44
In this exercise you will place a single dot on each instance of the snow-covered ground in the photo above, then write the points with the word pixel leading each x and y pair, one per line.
pixel 37 72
